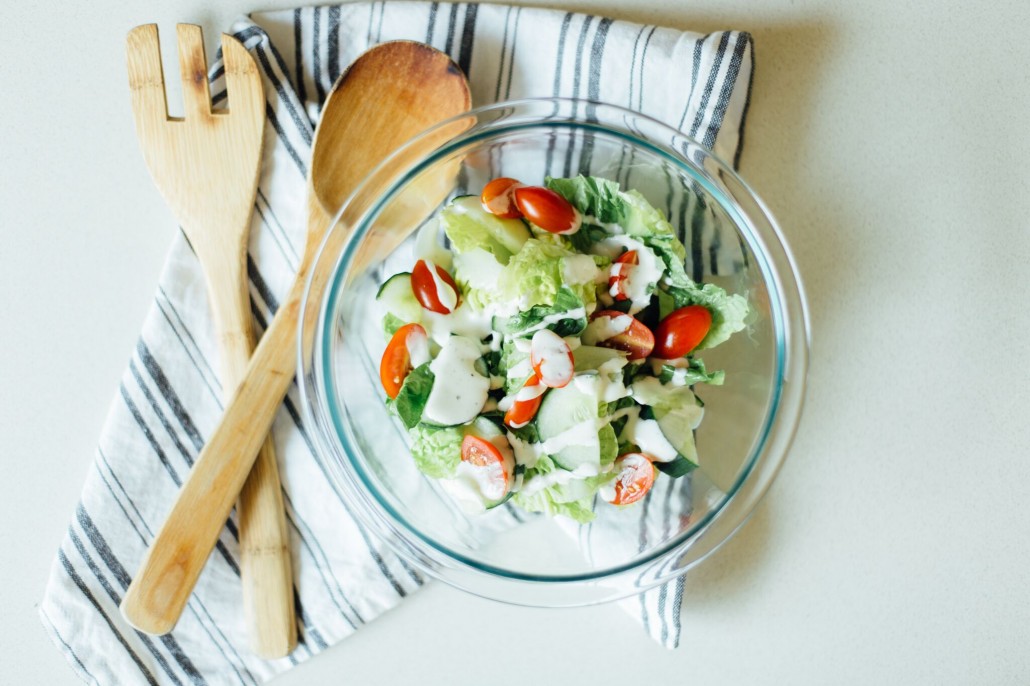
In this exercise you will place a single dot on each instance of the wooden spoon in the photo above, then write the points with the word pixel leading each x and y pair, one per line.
pixel 391 93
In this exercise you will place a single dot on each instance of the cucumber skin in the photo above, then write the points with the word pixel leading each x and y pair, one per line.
pixel 382 288
pixel 404 305
pixel 681 466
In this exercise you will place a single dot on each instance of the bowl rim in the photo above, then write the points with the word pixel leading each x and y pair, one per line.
pixel 322 374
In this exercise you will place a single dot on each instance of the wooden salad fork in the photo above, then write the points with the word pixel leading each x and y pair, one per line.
pixel 391 93
pixel 206 166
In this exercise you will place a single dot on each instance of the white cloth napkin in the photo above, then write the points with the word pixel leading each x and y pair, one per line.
pixel 170 397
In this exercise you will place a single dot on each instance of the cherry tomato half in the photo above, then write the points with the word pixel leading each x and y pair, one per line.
pixel 548 210
pixel 551 358
pixel 483 454
pixel 633 337
pixel 635 478
pixel 681 331
pixel 527 402
pixel 620 272
pixel 439 294
pixel 396 362
pixel 498 198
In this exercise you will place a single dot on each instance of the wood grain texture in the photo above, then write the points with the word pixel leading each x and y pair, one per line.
pixel 391 93
pixel 206 166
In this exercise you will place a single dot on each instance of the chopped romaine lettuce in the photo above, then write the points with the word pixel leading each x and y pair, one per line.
pixel 536 274
pixel 593 196
pixel 477 272
pixel 693 373
pixel 437 451
pixel 469 226
pixel 391 323
pixel 528 322
pixel 517 279
pixel 728 311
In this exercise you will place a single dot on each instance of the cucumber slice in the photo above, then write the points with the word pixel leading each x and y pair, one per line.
pixel 680 435
pixel 566 418
pixel 469 226
pixel 399 300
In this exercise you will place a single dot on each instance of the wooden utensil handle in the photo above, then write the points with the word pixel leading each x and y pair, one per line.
pixel 162 585
pixel 265 567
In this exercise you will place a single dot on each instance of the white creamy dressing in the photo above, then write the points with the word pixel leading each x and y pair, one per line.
pixel 521 370
pixel 524 394
pixel 558 476
pixel 610 383
pixel 474 486
pixel 459 391
pixel 447 296
pixel 646 434
pixel 610 227
pixel 465 321
pixel 677 401
pixel 427 245
pixel 527 392
pixel 418 348
pixel 602 328
pixel 524 451
pixel 640 278
pixel 551 355
pixel 577 434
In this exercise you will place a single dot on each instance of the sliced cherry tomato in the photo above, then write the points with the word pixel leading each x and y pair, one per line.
pixel 396 362
pixel 437 294
pixel 483 454
pixel 681 331
pixel 620 272
pixel 551 358
pixel 527 402
pixel 614 329
pixel 498 198
pixel 635 478
pixel 548 210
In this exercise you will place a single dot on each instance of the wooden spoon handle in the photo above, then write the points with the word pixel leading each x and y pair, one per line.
pixel 162 585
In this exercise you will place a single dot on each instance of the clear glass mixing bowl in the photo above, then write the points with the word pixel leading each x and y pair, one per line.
pixel 507 554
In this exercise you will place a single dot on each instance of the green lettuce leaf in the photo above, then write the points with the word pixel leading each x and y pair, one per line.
pixel 414 394
pixel 592 196
pixel 537 272
pixel 728 311
pixel 391 323
pixel 530 321
pixel 573 499
pixel 469 226
pixel 692 374
pixel 437 451
pixel 477 272
pixel 609 444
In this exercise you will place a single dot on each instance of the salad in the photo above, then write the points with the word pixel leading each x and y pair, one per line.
pixel 547 356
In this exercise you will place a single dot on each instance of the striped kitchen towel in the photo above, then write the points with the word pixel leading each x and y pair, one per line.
pixel 170 398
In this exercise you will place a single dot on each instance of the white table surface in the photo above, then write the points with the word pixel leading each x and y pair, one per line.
pixel 890 138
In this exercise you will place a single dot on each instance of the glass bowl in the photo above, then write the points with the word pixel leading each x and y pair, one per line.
pixel 507 554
